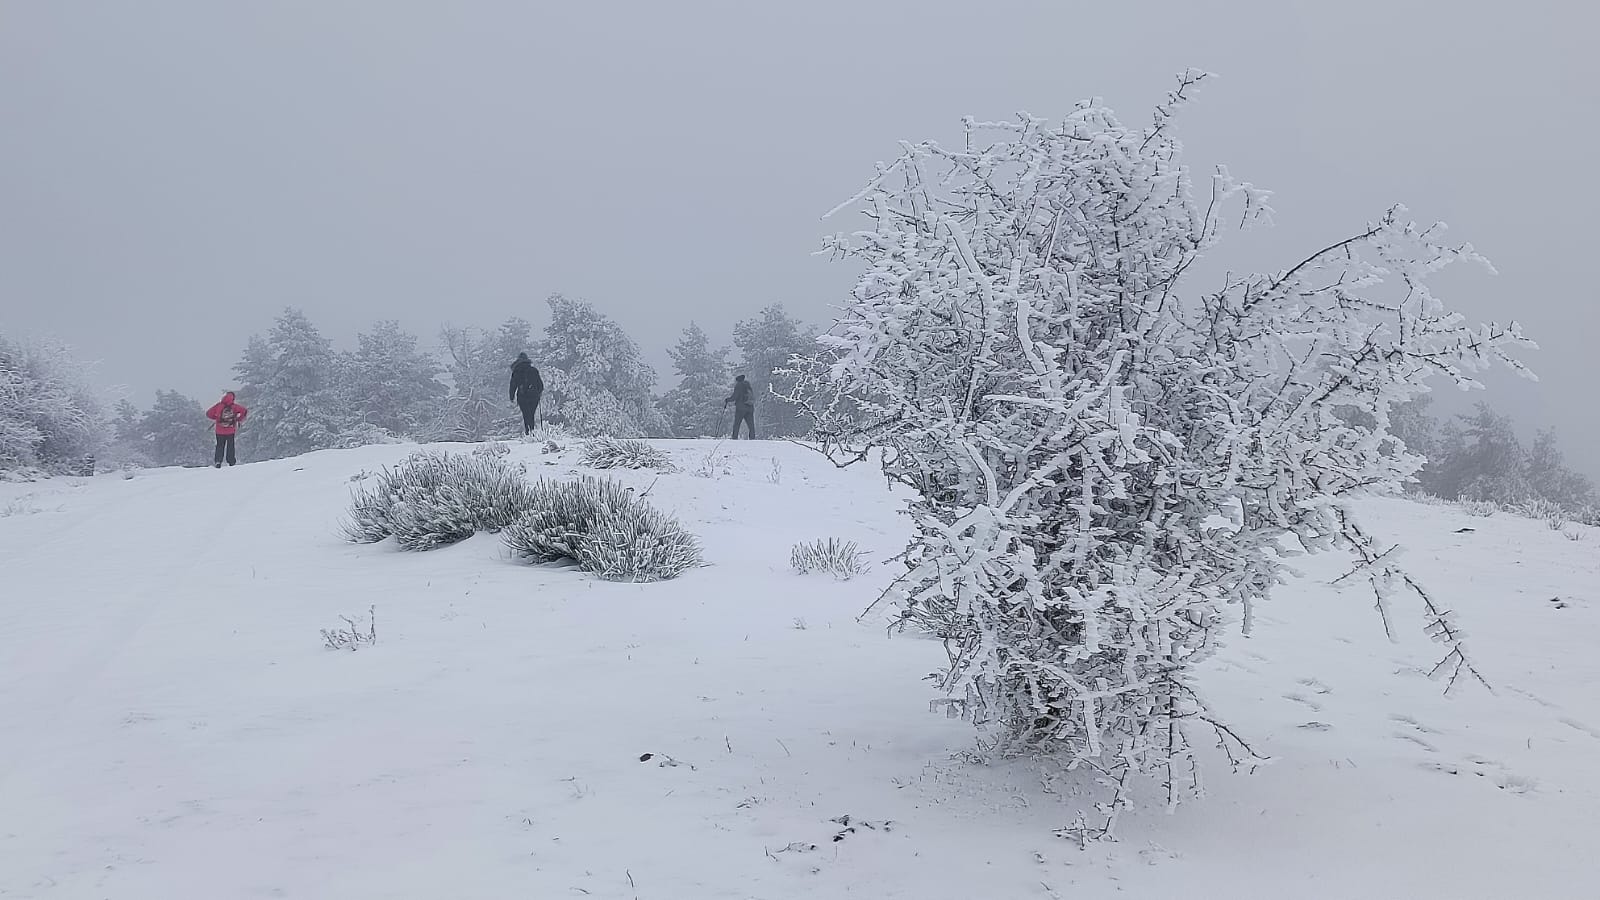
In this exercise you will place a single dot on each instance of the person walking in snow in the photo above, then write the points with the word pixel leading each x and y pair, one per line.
pixel 228 416
pixel 526 389
pixel 744 407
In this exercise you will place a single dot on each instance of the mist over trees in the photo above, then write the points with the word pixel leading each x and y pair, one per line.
pixel 1479 456
pixel 305 393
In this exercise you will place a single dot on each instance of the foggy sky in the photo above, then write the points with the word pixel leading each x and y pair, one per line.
pixel 173 173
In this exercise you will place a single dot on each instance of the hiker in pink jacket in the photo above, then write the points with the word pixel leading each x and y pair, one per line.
pixel 229 416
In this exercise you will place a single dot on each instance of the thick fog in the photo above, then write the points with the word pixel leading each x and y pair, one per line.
pixel 172 174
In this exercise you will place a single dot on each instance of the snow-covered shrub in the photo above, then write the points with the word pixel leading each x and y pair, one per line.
pixel 624 453
pixel 1483 509
pixel 546 433
pixel 605 529
pixel 1551 513
pixel 20 506
pixel 839 558
pixel 492 449
pixel 364 434
pixel 1074 418
pixel 432 499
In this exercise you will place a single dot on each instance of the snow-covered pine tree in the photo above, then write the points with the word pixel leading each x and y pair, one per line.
pixel 289 380
pixel 1077 422
pixel 392 383
pixel 1550 478
pixel 595 382
pixel 1483 459
pixel 768 343
pixel 694 408
pixel 173 431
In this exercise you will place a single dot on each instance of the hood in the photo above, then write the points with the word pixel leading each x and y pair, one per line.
pixel 228 397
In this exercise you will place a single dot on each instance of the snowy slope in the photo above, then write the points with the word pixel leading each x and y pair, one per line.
pixel 172 727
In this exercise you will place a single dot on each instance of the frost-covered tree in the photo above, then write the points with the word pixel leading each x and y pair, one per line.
pixel 50 415
pixel 478 407
pixel 768 344
pixel 1550 478
pixel 1106 458
pixel 595 382
pixel 392 382
pixel 289 380
pixel 1479 457
pixel 694 408
pixel 173 432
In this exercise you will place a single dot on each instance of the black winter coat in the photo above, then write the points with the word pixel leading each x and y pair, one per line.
pixel 526 381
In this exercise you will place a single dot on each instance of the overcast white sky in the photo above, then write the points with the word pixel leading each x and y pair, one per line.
pixel 173 173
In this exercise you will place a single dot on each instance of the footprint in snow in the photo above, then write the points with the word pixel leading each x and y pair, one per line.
pixel 1407 720
pixel 1302 699
pixel 1491 771
pixel 1414 731
pixel 1316 685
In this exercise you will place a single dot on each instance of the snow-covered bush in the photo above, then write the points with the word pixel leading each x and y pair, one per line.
pixel 432 499
pixel 605 529
pixel 1075 419
pixel 364 434
pixel 1553 514
pixel 1483 509
pixel 20 506
pixel 547 433
pixel 624 453
pixel 839 558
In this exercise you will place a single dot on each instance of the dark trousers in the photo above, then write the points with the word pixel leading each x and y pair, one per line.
pixel 530 408
pixel 746 415
pixel 224 449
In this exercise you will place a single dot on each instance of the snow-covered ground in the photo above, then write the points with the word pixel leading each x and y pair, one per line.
pixel 171 725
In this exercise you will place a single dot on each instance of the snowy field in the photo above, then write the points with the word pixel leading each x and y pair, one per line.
pixel 171 725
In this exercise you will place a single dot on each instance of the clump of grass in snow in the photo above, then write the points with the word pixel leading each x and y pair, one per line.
pixel 432 499
pixel 605 529
pixel 624 453
pixel 839 558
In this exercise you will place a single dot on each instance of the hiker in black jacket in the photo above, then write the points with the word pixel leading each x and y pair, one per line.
pixel 744 407
pixel 526 389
